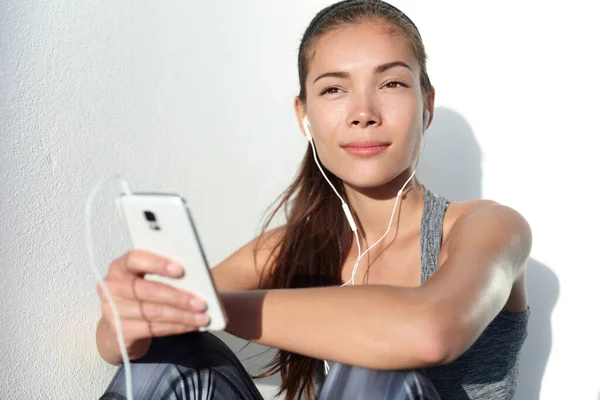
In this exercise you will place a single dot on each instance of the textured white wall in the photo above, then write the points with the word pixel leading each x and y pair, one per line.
pixel 197 99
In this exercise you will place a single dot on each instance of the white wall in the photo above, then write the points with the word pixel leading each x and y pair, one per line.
pixel 197 99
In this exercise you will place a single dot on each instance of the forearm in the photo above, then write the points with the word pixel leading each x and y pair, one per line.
pixel 108 346
pixel 380 327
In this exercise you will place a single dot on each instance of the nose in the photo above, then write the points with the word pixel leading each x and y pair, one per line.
pixel 364 114
pixel 364 121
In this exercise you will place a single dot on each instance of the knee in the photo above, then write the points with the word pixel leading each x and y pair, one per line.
pixel 192 350
pixel 198 356
pixel 385 385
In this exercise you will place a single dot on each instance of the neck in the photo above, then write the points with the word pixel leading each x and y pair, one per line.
pixel 374 206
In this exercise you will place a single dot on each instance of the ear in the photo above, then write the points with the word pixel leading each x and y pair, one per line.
pixel 300 109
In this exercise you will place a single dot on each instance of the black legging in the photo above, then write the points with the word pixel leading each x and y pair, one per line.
pixel 197 366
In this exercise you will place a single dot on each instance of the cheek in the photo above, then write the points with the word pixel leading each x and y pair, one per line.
pixel 326 143
pixel 400 111
pixel 328 127
pixel 404 128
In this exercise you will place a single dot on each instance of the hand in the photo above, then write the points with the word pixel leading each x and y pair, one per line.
pixel 149 309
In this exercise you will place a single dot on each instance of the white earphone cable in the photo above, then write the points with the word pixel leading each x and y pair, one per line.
pixel 323 173
pixel 386 232
pixel 349 214
pixel 100 280
pixel 347 211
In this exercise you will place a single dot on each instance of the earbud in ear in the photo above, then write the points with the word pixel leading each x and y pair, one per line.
pixel 425 120
pixel 307 128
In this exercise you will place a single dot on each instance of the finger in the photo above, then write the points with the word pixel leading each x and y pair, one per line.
pixel 141 262
pixel 143 329
pixel 154 292
pixel 152 312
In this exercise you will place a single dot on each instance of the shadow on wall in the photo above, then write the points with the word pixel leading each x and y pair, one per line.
pixel 451 166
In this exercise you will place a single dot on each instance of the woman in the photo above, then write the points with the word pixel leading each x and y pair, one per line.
pixel 436 309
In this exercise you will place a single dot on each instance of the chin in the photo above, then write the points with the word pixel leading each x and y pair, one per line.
pixel 370 179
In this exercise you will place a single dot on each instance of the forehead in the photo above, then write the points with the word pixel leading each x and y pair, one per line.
pixel 363 45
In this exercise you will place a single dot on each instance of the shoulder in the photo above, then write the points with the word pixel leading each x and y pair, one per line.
pixel 486 211
pixel 489 224
pixel 265 246
pixel 248 267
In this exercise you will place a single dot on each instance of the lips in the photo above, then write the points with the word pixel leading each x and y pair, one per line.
pixel 366 148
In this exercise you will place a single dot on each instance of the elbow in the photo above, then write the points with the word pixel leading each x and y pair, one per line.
pixel 429 349
pixel 431 340
pixel 443 339
pixel 438 347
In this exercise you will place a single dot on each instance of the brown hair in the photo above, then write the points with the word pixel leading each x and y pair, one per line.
pixel 316 239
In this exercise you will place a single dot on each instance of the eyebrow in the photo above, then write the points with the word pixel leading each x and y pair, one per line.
pixel 377 70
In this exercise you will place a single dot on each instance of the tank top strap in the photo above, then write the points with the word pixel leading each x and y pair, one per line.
pixel 432 222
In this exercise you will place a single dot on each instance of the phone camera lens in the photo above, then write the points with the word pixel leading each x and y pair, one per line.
pixel 150 216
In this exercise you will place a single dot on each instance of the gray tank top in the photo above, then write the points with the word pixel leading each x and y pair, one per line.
pixel 487 370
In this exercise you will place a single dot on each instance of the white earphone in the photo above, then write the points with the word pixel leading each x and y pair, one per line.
pixel 422 145
pixel 307 128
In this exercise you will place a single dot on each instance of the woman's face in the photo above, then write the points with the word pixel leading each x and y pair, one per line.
pixel 364 104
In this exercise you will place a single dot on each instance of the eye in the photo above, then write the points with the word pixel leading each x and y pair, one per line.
pixel 395 84
pixel 330 90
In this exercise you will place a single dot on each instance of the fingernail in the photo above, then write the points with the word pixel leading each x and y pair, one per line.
pixel 200 318
pixel 197 304
pixel 174 268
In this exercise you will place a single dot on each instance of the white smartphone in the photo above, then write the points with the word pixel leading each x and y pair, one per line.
pixel 162 224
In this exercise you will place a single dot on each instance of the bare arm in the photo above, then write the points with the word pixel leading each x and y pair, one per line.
pixel 241 271
pixel 385 327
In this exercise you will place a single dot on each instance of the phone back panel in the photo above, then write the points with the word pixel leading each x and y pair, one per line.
pixel 172 234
